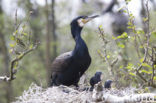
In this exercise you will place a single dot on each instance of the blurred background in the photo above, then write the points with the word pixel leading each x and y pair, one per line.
pixel 49 23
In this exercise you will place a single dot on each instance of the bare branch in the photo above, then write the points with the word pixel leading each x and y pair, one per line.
pixel 114 62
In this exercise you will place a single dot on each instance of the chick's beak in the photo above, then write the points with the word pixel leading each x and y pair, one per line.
pixel 89 18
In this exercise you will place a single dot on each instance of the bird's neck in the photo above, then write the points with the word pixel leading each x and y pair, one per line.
pixel 81 47
pixel 110 7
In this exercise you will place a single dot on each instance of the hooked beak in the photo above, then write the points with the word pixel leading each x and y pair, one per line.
pixel 89 18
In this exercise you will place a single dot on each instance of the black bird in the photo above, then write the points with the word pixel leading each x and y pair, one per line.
pixel 95 79
pixel 120 20
pixel 110 7
pixel 69 67
pixel 108 84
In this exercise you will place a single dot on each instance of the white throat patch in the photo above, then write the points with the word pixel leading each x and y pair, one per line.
pixel 80 22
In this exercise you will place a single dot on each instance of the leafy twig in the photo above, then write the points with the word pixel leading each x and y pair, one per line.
pixel 13 63
pixel 147 44
pixel 105 42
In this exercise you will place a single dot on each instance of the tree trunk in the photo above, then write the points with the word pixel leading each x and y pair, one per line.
pixel 54 37
pixel 47 45
pixel 54 40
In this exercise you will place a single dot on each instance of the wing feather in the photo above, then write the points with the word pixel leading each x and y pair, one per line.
pixel 62 62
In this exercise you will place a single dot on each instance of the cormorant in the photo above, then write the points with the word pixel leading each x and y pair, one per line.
pixel 120 20
pixel 69 67
pixel 108 84
pixel 95 79
pixel 110 7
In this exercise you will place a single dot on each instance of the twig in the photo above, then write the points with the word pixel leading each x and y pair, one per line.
pixel 114 62
pixel 13 63
pixel 110 65
pixel 131 20
pixel 147 44
pixel 153 59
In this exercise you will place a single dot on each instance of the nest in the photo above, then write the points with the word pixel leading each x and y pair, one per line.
pixel 64 94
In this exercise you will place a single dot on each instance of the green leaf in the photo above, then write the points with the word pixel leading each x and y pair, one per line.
pixel 146 65
pixel 12 45
pixel 140 32
pixel 12 38
pixel 131 15
pixel 141 60
pixel 146 89
pixel 145 19
pixel 129 27
pixel 154 78
pixel 121 66
pixel 25 34
pixel 121 8
pixel 121 45
pixel 31 46
pixel 132 74
pixel 108 56
pixel 114 38
pixel 141 47
pixel 15 65
pixel 130 66
pixel 154 33
pixel 144 71
pixel 124 11
pixel 129 23
pixel 100 26
pixel 124 35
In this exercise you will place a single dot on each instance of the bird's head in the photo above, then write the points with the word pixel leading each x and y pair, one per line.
pixel 108 83
pixel 98 75
pixel 78 23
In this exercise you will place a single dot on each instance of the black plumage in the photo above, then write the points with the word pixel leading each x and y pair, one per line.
pixel 108 84
pixel 120 20
pixel 110 7
pixel 95 79
pixel 69 67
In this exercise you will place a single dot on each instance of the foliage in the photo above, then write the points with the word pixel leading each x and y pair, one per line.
pixel 126 52
pixel 141 69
